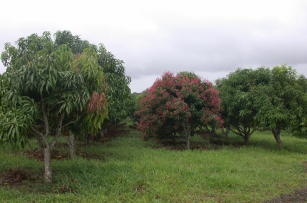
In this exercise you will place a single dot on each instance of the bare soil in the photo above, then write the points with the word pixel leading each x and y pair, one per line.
pixel 61 155
pixel 298 196
pixel 24 179
pixel 140 188
pixel 13 177
pixel 38 155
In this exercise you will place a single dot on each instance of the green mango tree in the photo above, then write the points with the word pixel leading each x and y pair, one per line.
pixel 43 87
pixel 284 101
pixel 118 91
pixel 241 102
pixel 120 99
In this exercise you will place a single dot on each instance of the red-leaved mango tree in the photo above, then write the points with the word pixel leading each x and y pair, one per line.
pixel 178 105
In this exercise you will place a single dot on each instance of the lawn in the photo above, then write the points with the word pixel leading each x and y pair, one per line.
pixel 128 169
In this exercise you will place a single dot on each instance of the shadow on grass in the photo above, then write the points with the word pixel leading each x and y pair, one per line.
pixel 261 140
pixel 198 142
pixel 298 147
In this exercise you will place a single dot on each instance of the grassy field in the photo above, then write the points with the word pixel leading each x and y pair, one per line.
pixel 128 169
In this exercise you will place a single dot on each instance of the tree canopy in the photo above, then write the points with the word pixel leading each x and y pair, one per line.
pixel 118 90
pixel 241 102
pixel 178 105
pixel 263 98
pixel 117 82
pixel 283 100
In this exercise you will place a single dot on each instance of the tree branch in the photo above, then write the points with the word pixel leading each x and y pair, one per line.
pixel 58 131
pixel 71 122
pixel 40 135
pixel 37 132
pixel 238 132
pixel 46 123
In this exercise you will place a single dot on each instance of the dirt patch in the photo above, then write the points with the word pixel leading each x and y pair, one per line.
pixel 57 155
pixel 297 196
pixel 87 155
pixel 15 176
pixel 26 180
pixel 140 188
pixel 38 155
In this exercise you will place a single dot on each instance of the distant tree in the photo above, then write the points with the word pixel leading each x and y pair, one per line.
pixel 226 125
pixel 283 102
pixel 43 94
pixel 90 120
pixel 137 97
pixel 118 91
pixel 241 102
pixel 178 105
pixel 299 123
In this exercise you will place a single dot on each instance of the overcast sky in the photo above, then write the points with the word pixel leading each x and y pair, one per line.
pixel 211 38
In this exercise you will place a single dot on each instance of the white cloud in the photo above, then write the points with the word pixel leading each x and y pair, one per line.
pixel 211 38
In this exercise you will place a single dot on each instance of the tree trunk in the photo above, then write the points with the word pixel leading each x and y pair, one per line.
pixel 187 132
pixel 188 141
pixel 212 131
pixel 223 131
pixel 72 145
pixel 276 133
pixel 99 136
pixel 87 139
pixel 227 131
pixel 246 139
pixel 47 166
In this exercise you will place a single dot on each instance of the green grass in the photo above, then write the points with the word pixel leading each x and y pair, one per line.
pixel 128 169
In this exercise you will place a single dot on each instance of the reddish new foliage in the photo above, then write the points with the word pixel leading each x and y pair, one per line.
pixel 174 102
pixel 96 103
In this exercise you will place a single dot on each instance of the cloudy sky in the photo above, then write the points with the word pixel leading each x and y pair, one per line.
pixel 211 38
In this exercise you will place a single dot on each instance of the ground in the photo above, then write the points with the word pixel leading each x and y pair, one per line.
pixel 129 169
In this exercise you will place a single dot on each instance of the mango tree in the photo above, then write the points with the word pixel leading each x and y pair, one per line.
pixel 241 102
pixel 178 105
pixel 74 42
pixel 299 123
pixel 83 128
pixel 284 101
pixel 118 90
pixel 91 119
pixel 41 73
pixel 120 100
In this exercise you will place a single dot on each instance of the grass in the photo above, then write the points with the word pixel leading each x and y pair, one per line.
pixel 128 169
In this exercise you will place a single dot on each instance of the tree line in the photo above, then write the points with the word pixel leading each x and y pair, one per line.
pixel 246 100
pixel 63 85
